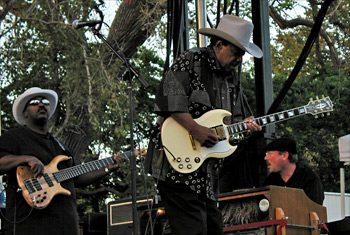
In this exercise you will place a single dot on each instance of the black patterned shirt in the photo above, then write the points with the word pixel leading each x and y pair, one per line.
pixel 194 84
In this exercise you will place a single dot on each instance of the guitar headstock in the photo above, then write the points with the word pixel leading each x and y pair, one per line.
pixel 319 106
pixel 137 152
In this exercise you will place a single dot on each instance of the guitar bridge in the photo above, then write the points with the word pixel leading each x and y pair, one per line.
pixel 220 131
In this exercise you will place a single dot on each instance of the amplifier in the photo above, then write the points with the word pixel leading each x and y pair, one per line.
pixel 120 216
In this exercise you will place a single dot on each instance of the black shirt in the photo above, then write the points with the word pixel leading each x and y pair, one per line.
pixel 303 178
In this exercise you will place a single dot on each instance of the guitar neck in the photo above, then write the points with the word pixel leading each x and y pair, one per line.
pixel 76 171
pixel 241 127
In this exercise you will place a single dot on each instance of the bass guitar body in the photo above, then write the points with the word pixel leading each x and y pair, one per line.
pixel 38 192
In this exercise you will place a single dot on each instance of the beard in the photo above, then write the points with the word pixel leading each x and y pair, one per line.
pixel 41 119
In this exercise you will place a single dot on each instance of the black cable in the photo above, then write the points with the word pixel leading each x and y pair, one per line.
pixel 14 221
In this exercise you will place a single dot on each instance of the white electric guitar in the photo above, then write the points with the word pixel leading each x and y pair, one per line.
pixel 186 155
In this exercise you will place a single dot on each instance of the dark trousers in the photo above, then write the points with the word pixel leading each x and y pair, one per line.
pixel 188 212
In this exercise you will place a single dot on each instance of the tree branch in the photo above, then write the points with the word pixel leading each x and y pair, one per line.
pixel 285 24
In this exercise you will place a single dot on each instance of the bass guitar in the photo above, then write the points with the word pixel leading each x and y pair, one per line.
pixel 38 192
pixel 186 155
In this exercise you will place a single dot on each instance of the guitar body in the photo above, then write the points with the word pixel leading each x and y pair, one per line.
pixel 37 192
pixel 186 155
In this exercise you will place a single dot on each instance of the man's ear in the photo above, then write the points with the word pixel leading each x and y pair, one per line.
pixel 285 155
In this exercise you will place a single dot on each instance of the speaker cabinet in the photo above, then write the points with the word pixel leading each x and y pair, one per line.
pixel 120 217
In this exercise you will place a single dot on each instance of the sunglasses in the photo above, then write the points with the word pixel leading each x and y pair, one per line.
pixel 36 102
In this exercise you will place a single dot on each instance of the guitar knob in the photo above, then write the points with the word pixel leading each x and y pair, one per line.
pixel 189 166
pixel 187 159
pixel 181 166
pixel 197 160
pixel 178 159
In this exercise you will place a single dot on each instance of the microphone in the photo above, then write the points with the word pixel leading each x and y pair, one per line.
pixel 77 24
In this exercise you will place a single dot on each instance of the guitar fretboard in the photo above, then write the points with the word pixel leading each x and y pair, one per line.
pixel 75 171
pixel 241 127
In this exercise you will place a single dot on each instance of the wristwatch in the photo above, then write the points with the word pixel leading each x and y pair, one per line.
pixel 107 171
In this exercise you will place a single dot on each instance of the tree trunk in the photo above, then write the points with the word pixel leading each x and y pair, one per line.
pixel 133 23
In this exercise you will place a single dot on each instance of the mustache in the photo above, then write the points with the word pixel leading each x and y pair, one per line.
pixel 42 108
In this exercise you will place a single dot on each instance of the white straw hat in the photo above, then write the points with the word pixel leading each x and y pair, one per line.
pixel 19 104
pixel 236 31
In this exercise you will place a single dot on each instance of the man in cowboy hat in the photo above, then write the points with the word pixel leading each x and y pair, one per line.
pixel 200 80
pixel 282 159
pixel 32 145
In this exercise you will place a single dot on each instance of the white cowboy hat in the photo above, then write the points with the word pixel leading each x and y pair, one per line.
pixel 20 103
pixel 236 31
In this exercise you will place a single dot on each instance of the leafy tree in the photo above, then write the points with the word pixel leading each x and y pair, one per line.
pixel 325 72
pixel 40 48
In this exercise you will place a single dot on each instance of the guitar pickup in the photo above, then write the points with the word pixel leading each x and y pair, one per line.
pixel 29 186
pixel 48 180
pixel 220 131
pixel 37 184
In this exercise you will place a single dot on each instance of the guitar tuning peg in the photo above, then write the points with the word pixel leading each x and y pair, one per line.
pixel 316 116
pixel 328 114
pixel 317 97
pixel 322 96
pixel 311 99
pixel 322 115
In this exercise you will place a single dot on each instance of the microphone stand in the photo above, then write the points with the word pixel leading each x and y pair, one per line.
pixel 132 73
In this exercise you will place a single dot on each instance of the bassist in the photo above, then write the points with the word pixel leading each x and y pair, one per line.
pixel 32 145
